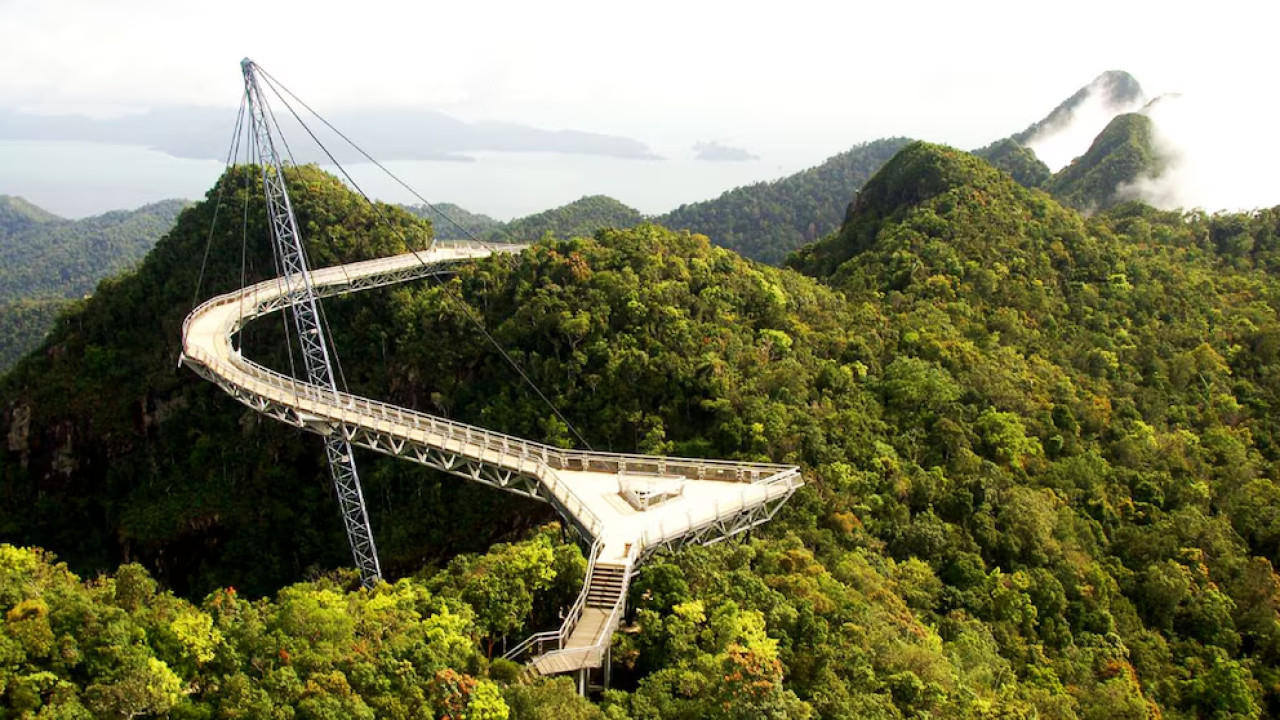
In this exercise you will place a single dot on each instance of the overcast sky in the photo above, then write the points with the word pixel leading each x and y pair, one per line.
pixel 801 77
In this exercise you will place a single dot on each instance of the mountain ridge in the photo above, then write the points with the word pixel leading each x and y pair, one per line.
pixel 1122 154
pixel 48 262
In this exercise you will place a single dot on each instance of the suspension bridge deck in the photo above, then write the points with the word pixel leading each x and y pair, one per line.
pixel 629 505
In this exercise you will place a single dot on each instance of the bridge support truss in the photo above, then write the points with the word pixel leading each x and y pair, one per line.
pixel 301 298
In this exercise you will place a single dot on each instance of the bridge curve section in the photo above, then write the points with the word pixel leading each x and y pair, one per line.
pixel 627 506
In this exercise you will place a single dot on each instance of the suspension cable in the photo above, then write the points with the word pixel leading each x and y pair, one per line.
pixel 213 224
pixel 466 309
pixel 276 87
pixel 244 238
pixel 371 159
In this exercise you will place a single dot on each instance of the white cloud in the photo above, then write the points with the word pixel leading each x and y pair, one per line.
pixel 1058 146
pixel 795 83
pixel 1223 152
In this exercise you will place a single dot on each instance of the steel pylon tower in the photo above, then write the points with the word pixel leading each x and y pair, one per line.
pixel 310 330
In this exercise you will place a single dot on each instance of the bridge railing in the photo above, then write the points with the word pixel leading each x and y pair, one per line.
pixel 781 485
pixel 429 260
pixel 592 654
pixel 507 451
pixel 551 640
pixel 671 467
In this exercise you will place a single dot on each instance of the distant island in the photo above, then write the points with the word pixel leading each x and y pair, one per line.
pixel 201 133
pixel 715 152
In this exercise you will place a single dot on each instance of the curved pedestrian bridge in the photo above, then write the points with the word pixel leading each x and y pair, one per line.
pixel 628 506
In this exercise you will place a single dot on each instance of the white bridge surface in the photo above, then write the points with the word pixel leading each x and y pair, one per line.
pixel 712 500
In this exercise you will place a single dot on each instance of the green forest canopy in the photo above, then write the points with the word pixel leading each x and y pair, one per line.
pixel 47 261
pixel 1042 453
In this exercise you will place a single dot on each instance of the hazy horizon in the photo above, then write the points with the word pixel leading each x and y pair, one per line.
pixel 501 185
pixel 790 88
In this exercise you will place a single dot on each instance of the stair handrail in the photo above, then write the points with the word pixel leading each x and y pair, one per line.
pixel 604 637
pixel 571 617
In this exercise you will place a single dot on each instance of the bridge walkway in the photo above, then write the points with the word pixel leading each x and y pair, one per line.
pixel 628 505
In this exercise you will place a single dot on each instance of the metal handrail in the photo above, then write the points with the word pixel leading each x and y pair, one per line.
pixel 788 481
pixel 606 632
pixel 571 618
pixel 525 457
pixel 699 468
pixel 604 636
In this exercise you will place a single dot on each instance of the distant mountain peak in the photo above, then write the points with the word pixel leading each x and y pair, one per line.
pixel 915 177
pixel 18 214
pixel 767 220
pixel 1124 153
pixel 1118 88
pixel 917 173
pixel 582 217
pixel 1114 91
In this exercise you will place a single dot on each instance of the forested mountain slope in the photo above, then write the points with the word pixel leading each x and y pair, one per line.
pixel 1018 160
pixel 52 257
pixel 1111 93
pixel 17 214
pixel 451 222
pixel 1042 454
pixel 583 216
pixel 1085 419
pixel 767 220
pixel 46 261
pixel 1120 156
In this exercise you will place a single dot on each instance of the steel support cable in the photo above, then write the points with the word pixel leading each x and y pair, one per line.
pixel 282 286
pixel 213 224
pixel 273 83
pixel 466 309
pixel 324 316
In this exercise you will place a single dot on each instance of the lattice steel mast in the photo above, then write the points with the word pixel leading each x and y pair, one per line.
pixel 306 320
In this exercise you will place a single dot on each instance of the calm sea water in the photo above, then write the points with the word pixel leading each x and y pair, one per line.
pixel 75 179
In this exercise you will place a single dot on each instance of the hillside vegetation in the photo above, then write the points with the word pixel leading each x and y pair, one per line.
pixel 451 222
pixel 1122 154
pixel 767 220
pixel 1018 160
pixel 46 261
pixel 1041 449
pixel 46 256
pixel 580 217
pixel 118 646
